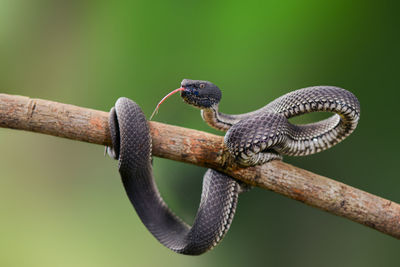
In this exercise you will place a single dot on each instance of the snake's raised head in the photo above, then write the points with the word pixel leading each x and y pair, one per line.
pixel 201 94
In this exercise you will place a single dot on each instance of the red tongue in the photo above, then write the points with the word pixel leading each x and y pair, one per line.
pixel 164 98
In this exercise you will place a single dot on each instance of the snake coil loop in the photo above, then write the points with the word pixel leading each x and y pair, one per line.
pixel 131 145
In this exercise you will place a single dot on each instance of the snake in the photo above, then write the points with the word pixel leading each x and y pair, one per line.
pixel 252 138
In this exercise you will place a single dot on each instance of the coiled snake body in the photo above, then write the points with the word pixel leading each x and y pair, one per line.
pixel 252 138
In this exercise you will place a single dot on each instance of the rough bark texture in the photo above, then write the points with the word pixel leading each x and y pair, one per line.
pixel 208 150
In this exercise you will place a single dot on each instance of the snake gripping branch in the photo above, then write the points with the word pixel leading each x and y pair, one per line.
pixel 207 150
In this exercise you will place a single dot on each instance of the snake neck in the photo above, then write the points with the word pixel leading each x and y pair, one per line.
pixel 218 120
pixel 223 122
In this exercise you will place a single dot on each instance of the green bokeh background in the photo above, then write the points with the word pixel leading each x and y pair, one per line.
pixel 61 201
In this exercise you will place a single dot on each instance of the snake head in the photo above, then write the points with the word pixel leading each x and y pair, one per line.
pixel 201 94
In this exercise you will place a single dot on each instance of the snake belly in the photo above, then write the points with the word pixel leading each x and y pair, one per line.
pixel 131 145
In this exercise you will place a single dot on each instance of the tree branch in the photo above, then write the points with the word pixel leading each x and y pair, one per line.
pixel 207 150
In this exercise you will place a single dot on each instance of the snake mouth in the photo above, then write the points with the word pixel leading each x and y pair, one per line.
pixel 192 97
pixel 200 94
pixel 195 95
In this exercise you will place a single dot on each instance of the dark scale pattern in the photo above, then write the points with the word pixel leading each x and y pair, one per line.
pixel 249 138
pixel 260 136
pixel 132 145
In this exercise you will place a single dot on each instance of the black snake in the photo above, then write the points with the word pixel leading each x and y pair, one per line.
pixel 252 138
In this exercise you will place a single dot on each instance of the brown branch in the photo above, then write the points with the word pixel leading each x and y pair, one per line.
pixel 204 149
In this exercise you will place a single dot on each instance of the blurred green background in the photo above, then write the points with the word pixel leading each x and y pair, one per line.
pixel 61 201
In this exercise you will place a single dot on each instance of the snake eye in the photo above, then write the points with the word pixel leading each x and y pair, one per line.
pixel 202 85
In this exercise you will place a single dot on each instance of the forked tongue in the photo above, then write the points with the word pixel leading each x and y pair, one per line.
pixel 163 99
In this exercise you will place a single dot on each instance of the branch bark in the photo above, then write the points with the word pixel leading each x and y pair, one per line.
pixel 207 150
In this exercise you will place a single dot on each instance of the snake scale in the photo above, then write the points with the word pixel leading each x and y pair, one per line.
pixel 252 138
